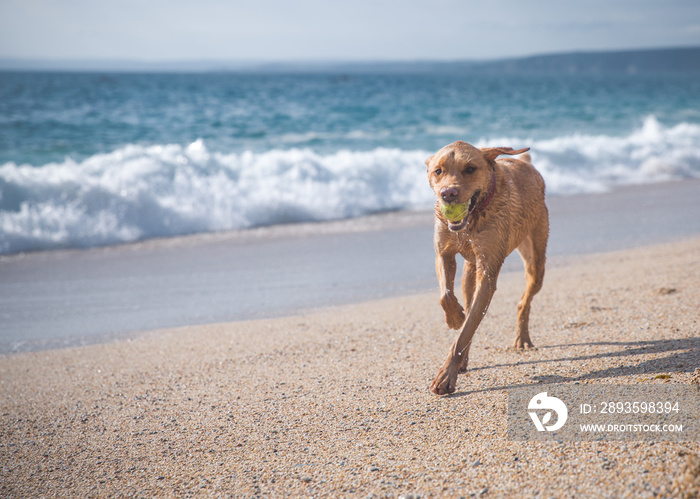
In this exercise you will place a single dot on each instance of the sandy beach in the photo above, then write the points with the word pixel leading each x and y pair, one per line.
pixel 336 402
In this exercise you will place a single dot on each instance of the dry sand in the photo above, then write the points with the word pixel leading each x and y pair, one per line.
pixel 336 403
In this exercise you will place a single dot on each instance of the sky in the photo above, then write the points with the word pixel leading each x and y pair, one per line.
pixel 333 30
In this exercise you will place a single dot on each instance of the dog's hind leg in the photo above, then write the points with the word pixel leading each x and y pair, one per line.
pixel 533 252
pixel 468 288
pixel 468 284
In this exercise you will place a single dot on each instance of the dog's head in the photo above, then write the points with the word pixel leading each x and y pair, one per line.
pixel 460 174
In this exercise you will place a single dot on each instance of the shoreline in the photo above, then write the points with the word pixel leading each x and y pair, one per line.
pixel 73 297
pixel 367 223
pixel 336 402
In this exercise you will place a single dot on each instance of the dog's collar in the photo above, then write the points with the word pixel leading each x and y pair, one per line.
pixel 481 206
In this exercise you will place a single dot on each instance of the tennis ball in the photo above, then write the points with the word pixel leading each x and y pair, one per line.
pixel 454 212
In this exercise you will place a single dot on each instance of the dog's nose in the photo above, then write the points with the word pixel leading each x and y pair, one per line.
pixel 449 194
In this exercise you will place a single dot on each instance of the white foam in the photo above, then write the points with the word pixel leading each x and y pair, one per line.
pixel 138 192
pixel 592 163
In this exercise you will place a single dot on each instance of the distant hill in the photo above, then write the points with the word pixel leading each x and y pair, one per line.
pixel 680 60
pixel 671 60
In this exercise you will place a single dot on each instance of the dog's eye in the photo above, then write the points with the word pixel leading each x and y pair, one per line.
pixel 469 170
pixel 438 172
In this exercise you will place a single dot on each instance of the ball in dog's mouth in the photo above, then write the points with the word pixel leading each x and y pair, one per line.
pixel 456 214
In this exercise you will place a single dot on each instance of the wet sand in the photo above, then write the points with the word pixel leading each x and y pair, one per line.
pixel 68 298
pixel 336 402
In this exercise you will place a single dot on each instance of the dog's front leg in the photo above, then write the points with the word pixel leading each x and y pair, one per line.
pixel 446 268
pixel 446 380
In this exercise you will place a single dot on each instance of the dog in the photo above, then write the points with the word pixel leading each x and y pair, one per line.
pixel 506 211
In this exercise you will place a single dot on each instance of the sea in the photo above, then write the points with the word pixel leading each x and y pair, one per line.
pixel 103 158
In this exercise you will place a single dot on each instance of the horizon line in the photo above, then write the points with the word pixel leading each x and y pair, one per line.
pixel 215 65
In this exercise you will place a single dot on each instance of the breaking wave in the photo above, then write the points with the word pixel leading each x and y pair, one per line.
pixel 140 192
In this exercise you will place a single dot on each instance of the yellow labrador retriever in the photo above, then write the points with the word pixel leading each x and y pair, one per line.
pixel 485 209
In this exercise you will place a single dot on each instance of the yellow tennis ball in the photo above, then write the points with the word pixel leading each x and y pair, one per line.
pixel 454 212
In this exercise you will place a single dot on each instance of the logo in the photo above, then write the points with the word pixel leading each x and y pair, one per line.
pixel 542 402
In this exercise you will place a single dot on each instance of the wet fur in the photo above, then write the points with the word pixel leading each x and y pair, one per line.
pixel 515 218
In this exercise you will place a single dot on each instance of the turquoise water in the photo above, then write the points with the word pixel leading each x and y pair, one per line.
pixel 94 159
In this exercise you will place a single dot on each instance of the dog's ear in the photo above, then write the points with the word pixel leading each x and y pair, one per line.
pixel 427 161
pixel 491 153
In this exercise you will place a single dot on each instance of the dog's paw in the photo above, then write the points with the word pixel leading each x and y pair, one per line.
pixel 454 313
pixel 445 382
pixel 523 343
